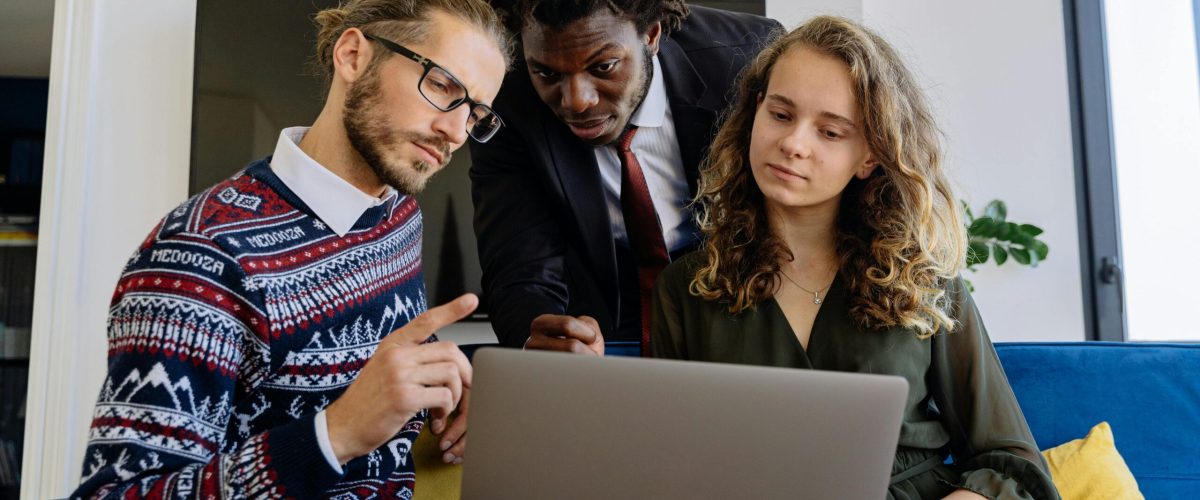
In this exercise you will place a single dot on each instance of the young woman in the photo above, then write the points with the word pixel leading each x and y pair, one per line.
pixel 833 242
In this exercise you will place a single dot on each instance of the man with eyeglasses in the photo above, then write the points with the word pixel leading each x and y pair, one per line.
pixel 270 338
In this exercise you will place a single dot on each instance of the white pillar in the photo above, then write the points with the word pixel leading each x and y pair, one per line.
pixel 117 153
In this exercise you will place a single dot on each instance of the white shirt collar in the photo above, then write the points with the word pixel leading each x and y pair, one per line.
pixel 333 200
pixel 653 110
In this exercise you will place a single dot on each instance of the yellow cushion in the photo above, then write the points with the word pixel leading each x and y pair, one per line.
pixel 436 480
pixel 1091 468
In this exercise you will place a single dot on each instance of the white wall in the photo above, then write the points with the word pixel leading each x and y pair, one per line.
pixel 1156 123
pixel 793 12
pixel 996 74
pixel 117 149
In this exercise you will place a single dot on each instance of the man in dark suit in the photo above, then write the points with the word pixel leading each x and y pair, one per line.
pixel 582 199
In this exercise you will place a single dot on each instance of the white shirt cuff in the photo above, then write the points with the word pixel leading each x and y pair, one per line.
pixel 322 428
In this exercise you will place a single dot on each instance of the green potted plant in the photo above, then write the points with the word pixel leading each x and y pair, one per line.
pixel 992 237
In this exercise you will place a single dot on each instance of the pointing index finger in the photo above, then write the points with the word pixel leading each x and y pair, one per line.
pixel 421 327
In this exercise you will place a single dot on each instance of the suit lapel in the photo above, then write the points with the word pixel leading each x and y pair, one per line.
pixel 694 107
pixel 575 164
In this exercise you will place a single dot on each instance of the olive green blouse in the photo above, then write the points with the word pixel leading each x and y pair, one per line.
pixel 959 401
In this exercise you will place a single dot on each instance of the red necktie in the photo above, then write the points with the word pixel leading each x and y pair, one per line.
pixel 642 227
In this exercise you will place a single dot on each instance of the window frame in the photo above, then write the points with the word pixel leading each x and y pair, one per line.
pixel 1100 260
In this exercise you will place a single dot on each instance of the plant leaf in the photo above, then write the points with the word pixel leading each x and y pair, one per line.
pixel 1009 231
pixel 1000 254
pixel 1020 254
pixel 996 210
pixel 1031 229
pixel 983 226
pixel 1021 238
pixel 1040 249
pixel 977 252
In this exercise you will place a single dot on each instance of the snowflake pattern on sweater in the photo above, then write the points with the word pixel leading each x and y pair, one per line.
pixel 239 318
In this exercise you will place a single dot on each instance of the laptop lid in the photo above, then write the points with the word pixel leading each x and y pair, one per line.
pixel 560 426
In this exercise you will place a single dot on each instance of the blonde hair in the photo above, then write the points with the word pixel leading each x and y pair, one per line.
pixel 900 235
pixel 402 21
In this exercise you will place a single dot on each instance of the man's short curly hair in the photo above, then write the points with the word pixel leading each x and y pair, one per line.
pixel 557 14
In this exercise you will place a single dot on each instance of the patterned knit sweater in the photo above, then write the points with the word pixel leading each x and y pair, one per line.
pixel 238 319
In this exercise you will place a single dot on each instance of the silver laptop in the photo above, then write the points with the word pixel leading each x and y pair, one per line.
pixel 561 426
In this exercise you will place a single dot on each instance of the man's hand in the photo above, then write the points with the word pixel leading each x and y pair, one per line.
pixel 549 332
pixel 402 377
pixel 453 442
pixel 554 332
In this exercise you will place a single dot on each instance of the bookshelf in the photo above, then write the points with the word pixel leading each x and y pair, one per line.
pixel 22 145
pixel 13 382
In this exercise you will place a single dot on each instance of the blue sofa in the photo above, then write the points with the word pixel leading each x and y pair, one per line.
pixel 1149 394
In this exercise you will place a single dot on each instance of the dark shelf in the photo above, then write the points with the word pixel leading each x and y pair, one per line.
pixel 23 107
pixel 20 199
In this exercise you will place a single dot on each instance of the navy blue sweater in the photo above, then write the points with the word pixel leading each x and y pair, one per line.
pixel 238 319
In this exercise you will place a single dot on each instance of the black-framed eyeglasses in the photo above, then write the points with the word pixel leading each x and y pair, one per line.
pixel 445 92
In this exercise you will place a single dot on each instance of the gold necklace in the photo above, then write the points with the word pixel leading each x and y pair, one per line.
pixel 816 294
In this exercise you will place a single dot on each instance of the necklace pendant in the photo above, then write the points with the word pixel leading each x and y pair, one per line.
pixel 816 299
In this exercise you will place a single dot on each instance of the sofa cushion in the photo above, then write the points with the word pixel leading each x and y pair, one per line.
pixel 1148 392
pixel 1091 467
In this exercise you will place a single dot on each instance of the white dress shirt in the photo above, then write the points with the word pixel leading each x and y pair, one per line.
pixel 336 202
pixel 333 200
pixel 657 150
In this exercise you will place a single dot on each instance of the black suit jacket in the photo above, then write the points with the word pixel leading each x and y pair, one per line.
pixel 545 239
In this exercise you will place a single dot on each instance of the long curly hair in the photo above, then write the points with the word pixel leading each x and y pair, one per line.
pixel 899 233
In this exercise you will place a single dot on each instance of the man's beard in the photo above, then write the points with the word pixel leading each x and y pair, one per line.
pixel 647 78
pixel 366 128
